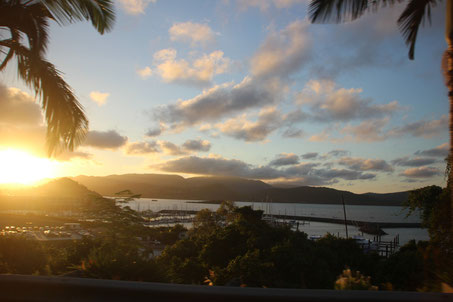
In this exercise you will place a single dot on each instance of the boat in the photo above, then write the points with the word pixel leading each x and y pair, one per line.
pixel 314 237
pixel 366 244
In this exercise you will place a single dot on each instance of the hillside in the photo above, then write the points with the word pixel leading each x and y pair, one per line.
pixel 228 188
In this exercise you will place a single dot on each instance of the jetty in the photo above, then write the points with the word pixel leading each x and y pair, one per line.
pixel 358 223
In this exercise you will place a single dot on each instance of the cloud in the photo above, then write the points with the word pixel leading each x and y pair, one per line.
pixel 285 159
pixel 142 148
pixel 156 131
pixel 135 7
pixel 363 164
pixel 240 128
pixel 145 72
pixel 320 137
pixel 421 172
pixel 305 172
pixel 413 162
pixel 99 98
pixel 197 145
pixel 18 108
pixel 293 133
pixel 439 151
pixel 68 156
pixel 21 121
pixel 199 72
pixel 171 148
pixel 366 131
pixel 345 174
pixel 284 52
pixel 194 33
pixel 218 102
pixel 329 104
pixel 374 130
pixel 366 40
pixel 215 166
pixel 105 139
pixel 338 153
pixel 426 129
pixel 309 155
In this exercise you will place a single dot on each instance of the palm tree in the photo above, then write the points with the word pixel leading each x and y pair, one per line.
pixel 24 28
pixel 322 11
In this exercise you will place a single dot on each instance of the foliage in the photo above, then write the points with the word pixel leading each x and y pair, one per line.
pixel 407 269
pixel 434 204
pixel 349 280
pixel 234 246
pixel 119 261
pixel 22 256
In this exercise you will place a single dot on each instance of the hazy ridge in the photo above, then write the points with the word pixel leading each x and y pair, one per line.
pixel 228 188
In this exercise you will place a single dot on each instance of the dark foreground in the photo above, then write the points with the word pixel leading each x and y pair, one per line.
pixel 38 288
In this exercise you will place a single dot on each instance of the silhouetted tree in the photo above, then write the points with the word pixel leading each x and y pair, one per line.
pixel 24 34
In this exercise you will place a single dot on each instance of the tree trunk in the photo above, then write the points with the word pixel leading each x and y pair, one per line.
pixel 449 83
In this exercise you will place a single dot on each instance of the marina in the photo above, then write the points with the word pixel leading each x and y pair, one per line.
pixel 314 219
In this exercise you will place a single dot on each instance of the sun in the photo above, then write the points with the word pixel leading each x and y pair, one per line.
pixel 20 167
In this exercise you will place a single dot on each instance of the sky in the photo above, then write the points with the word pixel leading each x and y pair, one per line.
pixel 246 88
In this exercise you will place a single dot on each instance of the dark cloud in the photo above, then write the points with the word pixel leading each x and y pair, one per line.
pixel 197 145
pixel 152 132
pixel 413 162
pixel 309 155
pixel 105 139
pixel 426 129
pixel 421 172
pixel 285 159
pixel 217 166
pixel 142 147
pixel 344 174
pixel 293 133
pixel 439 151
pixel 338 153
pixel 171 149
pixel 218 102
pixel 232 167
pixel 363 164
pixel 376 130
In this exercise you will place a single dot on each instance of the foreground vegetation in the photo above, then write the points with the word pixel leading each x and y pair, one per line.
pixel 232 246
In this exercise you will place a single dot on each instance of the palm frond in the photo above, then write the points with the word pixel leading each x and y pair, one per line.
pixel 409 22
pixel 30 20
pixel 67 124
pixel 15 36
pixel 99 12
pixel 324 11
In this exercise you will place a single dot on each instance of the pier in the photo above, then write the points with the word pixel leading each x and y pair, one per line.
pixel 357 223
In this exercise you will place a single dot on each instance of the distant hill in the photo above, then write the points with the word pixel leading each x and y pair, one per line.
pixel 324 195
pixel 58 194
pixel 174 186
pixel 228 188
pixel 62 187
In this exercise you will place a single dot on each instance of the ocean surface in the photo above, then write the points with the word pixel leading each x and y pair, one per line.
pixel 353 212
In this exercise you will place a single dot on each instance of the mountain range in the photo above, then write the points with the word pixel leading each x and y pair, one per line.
pixel 162 186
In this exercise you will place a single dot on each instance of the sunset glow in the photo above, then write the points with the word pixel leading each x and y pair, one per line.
pixel 20 167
